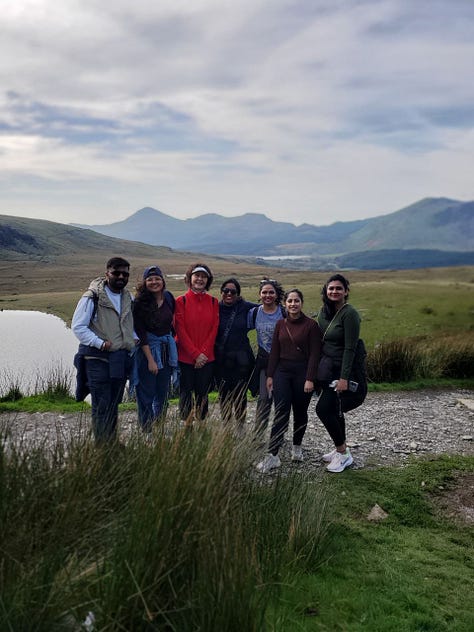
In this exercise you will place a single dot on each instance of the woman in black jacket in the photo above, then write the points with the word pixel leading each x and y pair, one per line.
pixel 234 356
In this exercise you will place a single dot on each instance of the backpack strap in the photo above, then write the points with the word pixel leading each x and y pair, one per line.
pixel 254 315
pixel 95 297
pixel 170 300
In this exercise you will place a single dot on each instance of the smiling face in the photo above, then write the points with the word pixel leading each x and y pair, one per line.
pixel 229 294
pixel 268 295
pixel 154 283
pixel 199 281
pixel 336 292
pixel 293 304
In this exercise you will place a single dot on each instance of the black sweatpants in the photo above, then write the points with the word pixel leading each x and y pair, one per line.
pixel 194 384
pixel 288 394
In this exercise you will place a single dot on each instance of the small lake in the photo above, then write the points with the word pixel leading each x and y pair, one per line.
pixel 33 346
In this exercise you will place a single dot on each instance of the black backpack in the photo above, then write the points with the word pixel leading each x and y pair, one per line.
pixel 359 365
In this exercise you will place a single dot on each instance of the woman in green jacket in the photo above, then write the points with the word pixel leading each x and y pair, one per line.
pixel 340 324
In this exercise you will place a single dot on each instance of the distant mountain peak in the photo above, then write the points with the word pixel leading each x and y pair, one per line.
pixel 428 223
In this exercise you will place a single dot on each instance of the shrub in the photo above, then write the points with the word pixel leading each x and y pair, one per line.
pixel 422 358
pixel 395 361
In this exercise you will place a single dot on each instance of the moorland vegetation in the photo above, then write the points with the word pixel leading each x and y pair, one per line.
pixel 183 535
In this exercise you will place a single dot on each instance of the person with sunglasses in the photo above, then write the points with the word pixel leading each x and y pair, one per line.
pixel 234 356
pixel 103 324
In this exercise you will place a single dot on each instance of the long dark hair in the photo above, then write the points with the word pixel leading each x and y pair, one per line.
pixel 276 286
pixel 146 298
pixel 329 308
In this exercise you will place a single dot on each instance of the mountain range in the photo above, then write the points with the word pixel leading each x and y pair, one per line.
pixel 430 232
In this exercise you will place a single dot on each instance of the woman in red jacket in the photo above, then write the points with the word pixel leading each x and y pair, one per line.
pixel 196 324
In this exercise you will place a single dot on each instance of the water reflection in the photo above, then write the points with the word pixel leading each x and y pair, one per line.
pixel 33 345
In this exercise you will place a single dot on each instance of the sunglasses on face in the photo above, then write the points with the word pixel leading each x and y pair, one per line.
pixel 228 290
pixel 119 273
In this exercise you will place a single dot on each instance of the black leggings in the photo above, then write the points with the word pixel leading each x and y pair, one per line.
pixel 194 387
pixel 288 394
pixel 330 409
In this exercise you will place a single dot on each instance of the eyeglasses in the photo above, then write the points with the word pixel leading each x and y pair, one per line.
pixel 119 273
pixel 228 290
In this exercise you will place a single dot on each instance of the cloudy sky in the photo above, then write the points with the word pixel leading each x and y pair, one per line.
pixel 305 110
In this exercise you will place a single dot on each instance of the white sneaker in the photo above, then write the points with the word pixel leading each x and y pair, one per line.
pixel 328 457
pixel 340 461
pixel 297 453
pixel 270 462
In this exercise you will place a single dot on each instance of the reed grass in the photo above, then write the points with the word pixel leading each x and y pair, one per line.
pixel 421 357
pixel 180 534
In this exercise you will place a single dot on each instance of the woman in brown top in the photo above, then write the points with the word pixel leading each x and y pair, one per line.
pixel 291 372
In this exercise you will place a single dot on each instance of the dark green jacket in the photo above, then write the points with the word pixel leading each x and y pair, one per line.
pixel 340 336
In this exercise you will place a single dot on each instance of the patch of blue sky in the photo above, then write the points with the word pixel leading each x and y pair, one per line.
pixel 158 138
pixel 158 127
pixel 458 117
pixel 153 127
pixel 401 131
pixel 451 20
pixel 230 167
pixel 50 121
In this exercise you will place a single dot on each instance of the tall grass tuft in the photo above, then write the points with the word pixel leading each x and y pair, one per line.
pixel 452 357
pixel 417 358
pixel 55 383
pixel 177 535
pixel 10 387
pixel 395 361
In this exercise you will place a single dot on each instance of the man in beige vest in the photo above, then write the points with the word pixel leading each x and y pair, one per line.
pixel 103 324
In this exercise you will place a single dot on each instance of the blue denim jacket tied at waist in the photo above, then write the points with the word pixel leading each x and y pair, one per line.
pixel 157 344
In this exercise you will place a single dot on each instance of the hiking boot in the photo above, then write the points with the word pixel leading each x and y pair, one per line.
pixel 328 457
pixel 340 461
pixel 270 462
pixel 297 453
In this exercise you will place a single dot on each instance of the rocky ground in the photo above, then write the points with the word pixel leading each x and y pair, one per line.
pixel 388 429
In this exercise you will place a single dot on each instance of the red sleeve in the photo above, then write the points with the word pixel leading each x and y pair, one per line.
pixel 185 342
pixel 209 342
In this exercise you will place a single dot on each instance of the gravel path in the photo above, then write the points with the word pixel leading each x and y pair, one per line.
pixel 387 429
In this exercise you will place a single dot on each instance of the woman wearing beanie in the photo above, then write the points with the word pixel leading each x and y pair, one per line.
pixel 156 357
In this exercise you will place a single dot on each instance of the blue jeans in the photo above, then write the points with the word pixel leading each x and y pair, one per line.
pixel 152 392
pixel 106 395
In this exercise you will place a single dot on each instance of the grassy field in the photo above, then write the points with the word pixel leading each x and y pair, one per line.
pixel 412 571
pixel 182 536
pixel 393 304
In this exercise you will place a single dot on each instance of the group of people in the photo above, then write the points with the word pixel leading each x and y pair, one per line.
pixel 153 340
